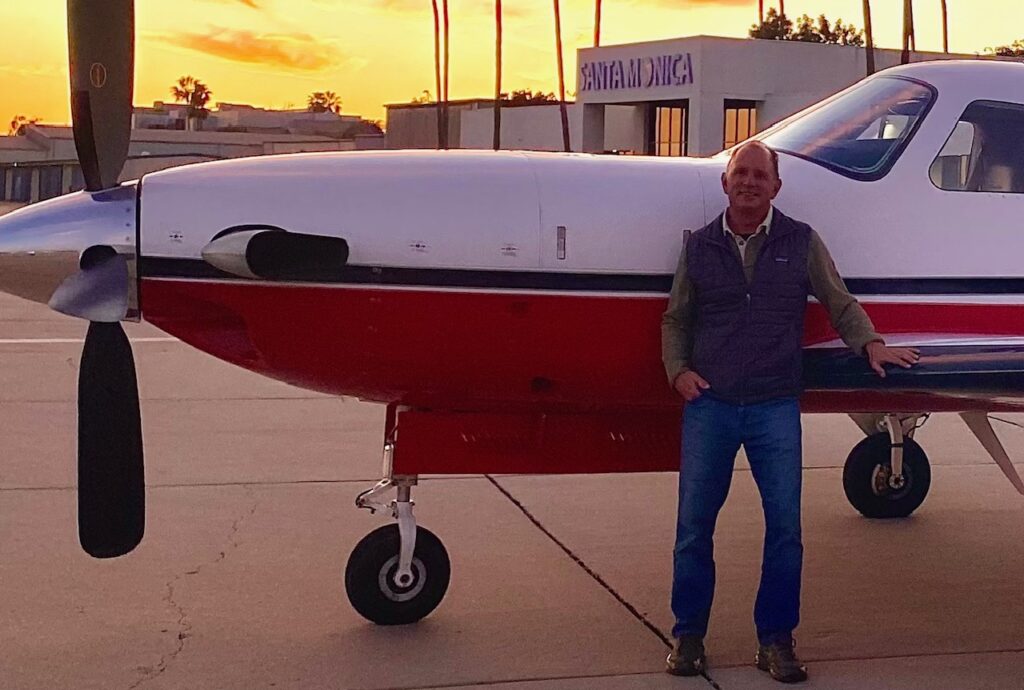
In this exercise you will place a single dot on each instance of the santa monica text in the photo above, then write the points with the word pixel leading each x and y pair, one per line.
pixel 636 73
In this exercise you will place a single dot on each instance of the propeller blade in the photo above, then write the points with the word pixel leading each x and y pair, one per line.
pixel 101 54
pixel 97 292
pixel 111 482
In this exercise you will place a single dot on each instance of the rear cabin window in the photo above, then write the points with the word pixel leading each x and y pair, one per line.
pixel 984 152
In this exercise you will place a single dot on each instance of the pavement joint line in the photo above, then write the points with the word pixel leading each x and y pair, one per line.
pixel 581 563
pixel 77 341
pixel 540 679
pixel 296 482
pixel 299 482
pixel 537 679
pixel 144 400
pixel 896 657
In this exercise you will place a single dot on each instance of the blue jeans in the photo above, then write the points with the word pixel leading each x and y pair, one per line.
pixel 712 434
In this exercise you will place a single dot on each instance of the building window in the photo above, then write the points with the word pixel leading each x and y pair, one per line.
pixel 740 121
pixel 77 178
pixel 985 151
pixel 21 185
pixel 3 184
pixel 667 126
pixel 50 179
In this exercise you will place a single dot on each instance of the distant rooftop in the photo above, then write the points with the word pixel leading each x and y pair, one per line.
pixel 173 136
pixel 478 102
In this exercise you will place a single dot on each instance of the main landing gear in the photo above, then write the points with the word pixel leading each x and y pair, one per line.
pixel 398 573
pixel 887 475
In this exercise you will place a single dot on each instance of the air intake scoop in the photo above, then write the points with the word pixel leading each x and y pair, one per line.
pixel 275 254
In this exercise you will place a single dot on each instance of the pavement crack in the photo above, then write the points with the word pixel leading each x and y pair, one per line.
pixel 184 632
pixel 586 568
pixel 464 685
pixel 184 623
pixel 707 676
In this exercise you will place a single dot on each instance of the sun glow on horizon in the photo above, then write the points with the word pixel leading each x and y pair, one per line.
pixel 273 53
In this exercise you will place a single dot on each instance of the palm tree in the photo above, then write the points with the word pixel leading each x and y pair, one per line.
pixel 18 125
pixel 912 33
pixel 782 8
pixel 497 74
pixel 597 22
pixel 760 12
pixel 870 37
pixel 444 108
pixel 908 31
pixel 437 76
pixel 323 102
pixel 195 94
pixel 561 78
pixel 945 28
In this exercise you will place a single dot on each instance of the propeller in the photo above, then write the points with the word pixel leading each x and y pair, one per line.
pixel 111 486
pixel 101 55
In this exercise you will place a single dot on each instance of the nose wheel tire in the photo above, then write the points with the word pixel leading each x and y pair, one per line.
pixel 867 478
pixel 370 577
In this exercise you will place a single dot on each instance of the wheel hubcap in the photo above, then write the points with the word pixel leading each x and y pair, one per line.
pixel 394 591
pixel 883 483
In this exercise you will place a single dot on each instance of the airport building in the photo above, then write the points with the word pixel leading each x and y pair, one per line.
pixel 680 97
pixel 42 162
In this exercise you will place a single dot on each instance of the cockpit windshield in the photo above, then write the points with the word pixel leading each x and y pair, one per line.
pixel 860 132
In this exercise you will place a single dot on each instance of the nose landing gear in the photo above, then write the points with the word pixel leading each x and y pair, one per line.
pixel 378 590
pixel 398 573
pixel 887 474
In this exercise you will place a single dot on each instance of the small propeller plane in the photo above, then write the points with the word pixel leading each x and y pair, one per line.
pixel 505 306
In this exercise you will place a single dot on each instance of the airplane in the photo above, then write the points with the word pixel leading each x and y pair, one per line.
pixel 505 306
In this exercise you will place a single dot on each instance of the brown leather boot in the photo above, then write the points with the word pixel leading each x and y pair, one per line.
pixel 780 661
pixel 687 656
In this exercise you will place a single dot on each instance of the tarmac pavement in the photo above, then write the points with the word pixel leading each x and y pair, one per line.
pixel 558 583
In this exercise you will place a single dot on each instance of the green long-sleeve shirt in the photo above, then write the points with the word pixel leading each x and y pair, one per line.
pixel 845 312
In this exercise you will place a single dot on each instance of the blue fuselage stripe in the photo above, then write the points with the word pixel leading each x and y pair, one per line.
pixel 158 267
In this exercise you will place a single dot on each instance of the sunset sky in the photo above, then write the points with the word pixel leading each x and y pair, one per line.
pixel 273 53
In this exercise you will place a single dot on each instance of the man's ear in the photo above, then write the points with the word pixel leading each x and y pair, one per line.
pixel 778 186
pixel 725 187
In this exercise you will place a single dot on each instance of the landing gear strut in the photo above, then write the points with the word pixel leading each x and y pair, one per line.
pixel 887 475
pixel 398 573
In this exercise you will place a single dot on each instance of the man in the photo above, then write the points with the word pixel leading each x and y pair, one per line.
pixel 731 348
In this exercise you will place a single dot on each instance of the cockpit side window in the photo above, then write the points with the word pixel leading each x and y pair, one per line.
pixel 859 133
pixel 985 151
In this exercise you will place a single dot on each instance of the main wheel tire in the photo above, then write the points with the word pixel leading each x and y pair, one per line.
pixel 369 581
pixel 866 478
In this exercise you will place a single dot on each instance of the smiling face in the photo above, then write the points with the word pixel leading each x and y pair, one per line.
pixel 750 180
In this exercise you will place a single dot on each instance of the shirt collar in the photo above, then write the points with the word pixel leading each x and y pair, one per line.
pixel 764 226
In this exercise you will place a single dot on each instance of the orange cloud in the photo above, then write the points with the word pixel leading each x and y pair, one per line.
pixel 476 7
pixel 676 5
pixel 292 51
pixel 248 3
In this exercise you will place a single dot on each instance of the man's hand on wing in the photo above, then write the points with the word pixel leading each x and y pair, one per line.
pixel 689 384
pixel 880 354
